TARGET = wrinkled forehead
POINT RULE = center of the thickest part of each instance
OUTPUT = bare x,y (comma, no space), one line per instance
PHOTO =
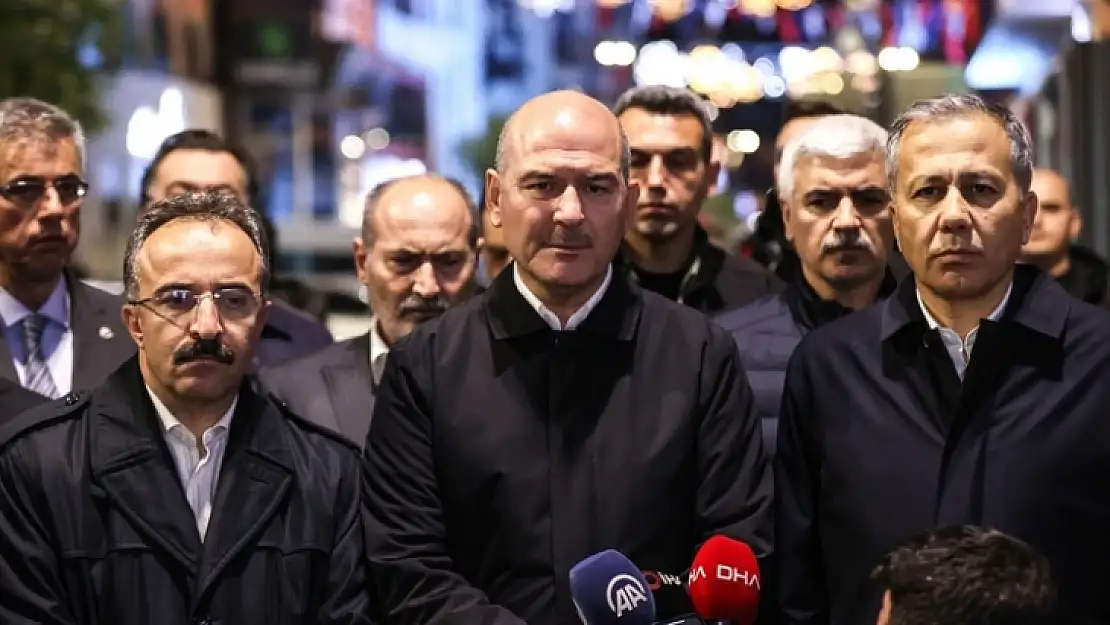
971,143
858,171
37,151
169,255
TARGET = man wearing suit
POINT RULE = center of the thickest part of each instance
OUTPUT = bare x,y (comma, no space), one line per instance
194,160
59,334
15,400
417,257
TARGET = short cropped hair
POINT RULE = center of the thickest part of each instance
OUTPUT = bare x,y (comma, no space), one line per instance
960,105
803,109
205,141
967,575
375,197
205,206
671,101
835,136
28,118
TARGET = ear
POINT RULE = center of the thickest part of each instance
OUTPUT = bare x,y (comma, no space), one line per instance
1075,224
631,201
493,197
360,254
1028,215
893,208
787,210
130,316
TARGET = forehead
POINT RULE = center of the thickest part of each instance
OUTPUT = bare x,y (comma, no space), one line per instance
424,215
170,254
1050,186
575,143
792,129
39,156
201,168
950,145
824,172
647,129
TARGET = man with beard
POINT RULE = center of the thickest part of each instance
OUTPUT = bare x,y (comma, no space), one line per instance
666,249
975,394
1079,270
109,506
57,334
835,209
417,257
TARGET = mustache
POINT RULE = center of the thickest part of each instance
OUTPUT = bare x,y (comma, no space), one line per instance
204,348
562,237
416,305
847,240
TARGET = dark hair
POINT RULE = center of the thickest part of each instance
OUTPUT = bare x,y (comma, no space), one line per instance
205,206
205,141
801,109
664,100
967,575
376,194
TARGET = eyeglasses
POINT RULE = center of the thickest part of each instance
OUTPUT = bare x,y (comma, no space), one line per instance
233,303
26,191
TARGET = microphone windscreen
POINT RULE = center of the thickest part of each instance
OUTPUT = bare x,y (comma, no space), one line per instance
608,589
724,581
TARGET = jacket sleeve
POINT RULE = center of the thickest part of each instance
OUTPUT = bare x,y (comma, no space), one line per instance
735,488
348,591
30,574
800,580
413,576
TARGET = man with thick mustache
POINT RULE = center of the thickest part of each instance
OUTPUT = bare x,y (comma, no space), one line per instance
417,257
835,208
975,394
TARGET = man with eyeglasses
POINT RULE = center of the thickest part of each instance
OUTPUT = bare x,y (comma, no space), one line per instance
174,492
57,334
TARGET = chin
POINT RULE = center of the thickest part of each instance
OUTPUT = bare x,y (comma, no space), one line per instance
655,230
204,389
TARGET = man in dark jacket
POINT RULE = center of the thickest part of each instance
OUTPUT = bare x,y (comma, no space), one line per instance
837,217
1079,270
15,400
562,412
666,250
976,394
109,505
194,160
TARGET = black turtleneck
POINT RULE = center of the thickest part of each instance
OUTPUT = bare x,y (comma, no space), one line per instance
810,311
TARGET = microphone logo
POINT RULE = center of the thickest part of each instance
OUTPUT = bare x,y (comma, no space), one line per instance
726,573
624,593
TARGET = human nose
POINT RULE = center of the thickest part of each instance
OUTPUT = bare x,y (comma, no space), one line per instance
206,321
846,217
569,210
424,281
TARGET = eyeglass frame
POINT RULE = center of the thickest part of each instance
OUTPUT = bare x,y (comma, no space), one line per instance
151,303
46,184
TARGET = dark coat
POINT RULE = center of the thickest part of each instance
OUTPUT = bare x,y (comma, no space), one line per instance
503,453
100,341
289,334
95,528
14,400
879,439
1087,278
333,387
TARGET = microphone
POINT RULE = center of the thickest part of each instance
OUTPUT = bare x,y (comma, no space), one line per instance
607,589
724,581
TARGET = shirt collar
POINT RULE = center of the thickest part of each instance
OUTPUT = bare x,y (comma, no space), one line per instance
170,422
994,316
378,351
56,308
550,317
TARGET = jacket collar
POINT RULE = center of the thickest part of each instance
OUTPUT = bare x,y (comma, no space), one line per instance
810,311
510,316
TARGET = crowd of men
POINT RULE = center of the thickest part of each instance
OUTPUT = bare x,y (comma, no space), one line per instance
201,452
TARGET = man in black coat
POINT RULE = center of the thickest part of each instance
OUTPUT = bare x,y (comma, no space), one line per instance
837,218
976,394
57,334
174,493
417,257
15,400
563,412
666,250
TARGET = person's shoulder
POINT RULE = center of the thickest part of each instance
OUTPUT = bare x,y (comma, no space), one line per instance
458,319
663,319
318,437
93,292
857,330
769,308
51,420
293,321
291,369
1087,323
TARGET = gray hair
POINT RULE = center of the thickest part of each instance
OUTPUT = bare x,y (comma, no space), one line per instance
204,206
840,137
28,118
958,105
625,158
375,197
670,101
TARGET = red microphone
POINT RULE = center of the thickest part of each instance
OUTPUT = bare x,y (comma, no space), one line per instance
724,581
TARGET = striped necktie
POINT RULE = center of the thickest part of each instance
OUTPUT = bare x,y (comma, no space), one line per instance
38,374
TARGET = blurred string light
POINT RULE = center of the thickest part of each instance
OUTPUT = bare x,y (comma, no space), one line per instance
671,10
743,141
615,53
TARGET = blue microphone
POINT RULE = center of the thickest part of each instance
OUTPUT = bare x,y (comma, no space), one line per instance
608,589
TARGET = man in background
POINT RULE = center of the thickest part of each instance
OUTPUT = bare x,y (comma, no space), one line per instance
493,255
1079,270
666,249
196,160
416,257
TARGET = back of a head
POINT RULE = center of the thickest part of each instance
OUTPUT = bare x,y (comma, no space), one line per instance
839,137
966,575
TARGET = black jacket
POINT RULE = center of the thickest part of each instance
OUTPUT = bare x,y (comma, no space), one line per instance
879,439
503,453
1087,277
14,400
95,528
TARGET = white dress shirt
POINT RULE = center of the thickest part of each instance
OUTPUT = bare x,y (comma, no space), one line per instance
378,351
197,466
551,318
57,335
959,350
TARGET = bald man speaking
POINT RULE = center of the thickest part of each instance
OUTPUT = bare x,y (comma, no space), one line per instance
562,412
